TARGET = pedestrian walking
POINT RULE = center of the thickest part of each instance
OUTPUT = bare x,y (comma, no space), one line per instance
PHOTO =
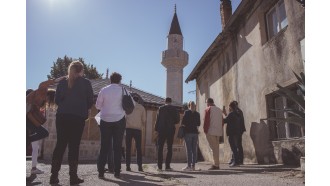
74,98
167,117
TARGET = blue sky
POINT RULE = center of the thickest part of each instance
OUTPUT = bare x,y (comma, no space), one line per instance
126,36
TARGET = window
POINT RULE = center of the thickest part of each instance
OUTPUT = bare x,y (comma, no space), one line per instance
282,130
276,19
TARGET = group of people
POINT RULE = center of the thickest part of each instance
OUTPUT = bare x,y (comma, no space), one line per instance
235,128
74,97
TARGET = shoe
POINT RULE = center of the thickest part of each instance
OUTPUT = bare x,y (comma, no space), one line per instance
54,179
101,175
128,169
36,171
233,164
168,169
74,180
195,169
214,168
231,161
187,169
159,170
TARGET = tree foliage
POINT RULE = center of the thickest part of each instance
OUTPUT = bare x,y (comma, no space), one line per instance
60,68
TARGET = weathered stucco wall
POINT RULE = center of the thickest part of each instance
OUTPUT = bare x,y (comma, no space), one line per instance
246,69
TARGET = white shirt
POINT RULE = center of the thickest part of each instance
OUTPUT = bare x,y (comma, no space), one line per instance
109,102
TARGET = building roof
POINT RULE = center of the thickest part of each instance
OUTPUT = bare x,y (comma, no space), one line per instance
175,26
148,98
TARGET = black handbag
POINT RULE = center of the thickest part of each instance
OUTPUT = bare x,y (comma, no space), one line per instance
127,102
181,132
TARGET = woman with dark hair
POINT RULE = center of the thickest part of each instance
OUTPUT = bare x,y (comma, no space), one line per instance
191,121
74,97
233,131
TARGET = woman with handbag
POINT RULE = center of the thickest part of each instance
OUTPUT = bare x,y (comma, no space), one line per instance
190,122
74,98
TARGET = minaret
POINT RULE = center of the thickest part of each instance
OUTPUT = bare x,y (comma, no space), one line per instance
174,59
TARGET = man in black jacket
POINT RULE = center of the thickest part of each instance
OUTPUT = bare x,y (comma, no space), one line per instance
167,117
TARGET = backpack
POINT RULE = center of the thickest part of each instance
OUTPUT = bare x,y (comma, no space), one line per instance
127,102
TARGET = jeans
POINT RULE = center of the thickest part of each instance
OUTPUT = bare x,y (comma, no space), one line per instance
136,134
36,133
233,142
162,137
191,148
114,131
69,129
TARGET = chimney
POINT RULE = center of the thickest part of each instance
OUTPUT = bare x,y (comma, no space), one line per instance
225,12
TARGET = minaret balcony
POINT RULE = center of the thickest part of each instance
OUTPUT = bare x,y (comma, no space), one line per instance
167,54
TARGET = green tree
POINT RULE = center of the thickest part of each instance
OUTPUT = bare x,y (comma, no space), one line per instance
60,68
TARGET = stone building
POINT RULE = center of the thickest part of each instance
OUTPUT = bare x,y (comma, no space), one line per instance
260,44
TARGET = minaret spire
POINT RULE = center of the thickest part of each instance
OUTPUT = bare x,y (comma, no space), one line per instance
175,26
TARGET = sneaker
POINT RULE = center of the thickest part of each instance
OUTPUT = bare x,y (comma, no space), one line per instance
36,171
233,164
169,169
159,170
214,168
187,169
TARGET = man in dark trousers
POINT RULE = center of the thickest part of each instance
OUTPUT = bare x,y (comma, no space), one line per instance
167,117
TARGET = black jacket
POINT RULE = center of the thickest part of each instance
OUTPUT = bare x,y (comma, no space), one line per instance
167,117
233,123
75,101
191,120
242,124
